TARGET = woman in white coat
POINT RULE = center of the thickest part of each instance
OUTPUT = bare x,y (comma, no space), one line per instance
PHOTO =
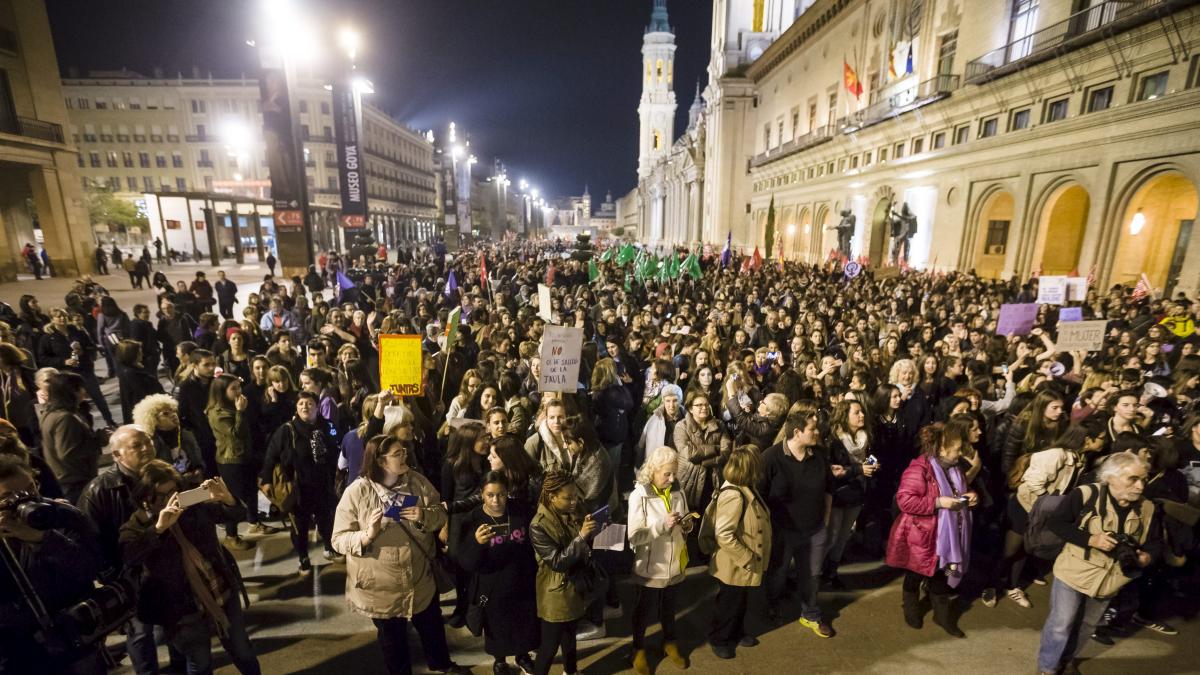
659,523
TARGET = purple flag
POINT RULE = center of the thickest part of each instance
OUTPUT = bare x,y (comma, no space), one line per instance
451,284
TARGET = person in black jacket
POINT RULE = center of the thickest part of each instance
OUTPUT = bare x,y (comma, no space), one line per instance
193,399
614,407
145,333
60,564
462,476
134,382
306,447
226,295
69,347
190,585
174,326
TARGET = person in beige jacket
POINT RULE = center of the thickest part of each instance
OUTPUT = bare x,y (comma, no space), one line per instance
389,543
743,532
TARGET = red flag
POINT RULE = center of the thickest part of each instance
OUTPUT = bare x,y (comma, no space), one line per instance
1142,289
851,79
483,270
550,275
757,261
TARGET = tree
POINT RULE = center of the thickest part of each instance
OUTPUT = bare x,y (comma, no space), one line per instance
106,208
769,234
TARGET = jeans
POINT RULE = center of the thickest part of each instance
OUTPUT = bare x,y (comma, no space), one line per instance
841,524
729,615
651,603
92,386
192,636
1072,619
554,636
143,653
808,550
393,640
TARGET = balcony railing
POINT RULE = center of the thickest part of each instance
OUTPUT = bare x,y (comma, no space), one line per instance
1081,28
799,144
31,128
196,138
906,99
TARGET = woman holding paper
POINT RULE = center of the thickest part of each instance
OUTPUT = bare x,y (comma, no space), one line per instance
659,523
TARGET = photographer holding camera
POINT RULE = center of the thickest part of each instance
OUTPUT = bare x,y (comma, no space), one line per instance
47,564
1110,536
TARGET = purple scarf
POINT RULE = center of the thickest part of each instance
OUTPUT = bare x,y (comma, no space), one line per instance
953,527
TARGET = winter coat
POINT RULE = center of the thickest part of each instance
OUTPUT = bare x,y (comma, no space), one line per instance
1091,571
613,406
391,576
70,446
591,468
912,544
1051,472
702,451
134,385
654,434
231,429
656,550
560,551
743,531
753,429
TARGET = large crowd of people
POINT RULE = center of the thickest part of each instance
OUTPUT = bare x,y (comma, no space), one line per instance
767,421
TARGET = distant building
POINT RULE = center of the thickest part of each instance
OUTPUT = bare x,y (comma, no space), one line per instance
41,200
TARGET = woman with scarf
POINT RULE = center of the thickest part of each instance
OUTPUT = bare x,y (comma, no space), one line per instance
306,447
703,445
190,586
661,424
931,540
850,448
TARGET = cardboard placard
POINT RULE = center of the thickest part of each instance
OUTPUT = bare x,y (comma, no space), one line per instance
1070,314
1016,319
887,273
1052,291
561,346
1077,288
1077,336
400,363
544,302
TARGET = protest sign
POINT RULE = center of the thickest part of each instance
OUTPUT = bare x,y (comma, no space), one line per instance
560,358
1077,288
1052,290
544,302
1070,314
1016,319
1080,336
400,361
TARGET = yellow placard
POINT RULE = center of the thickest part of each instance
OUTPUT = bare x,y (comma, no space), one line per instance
400,362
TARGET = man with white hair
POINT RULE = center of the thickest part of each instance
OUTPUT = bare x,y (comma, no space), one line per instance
1110,536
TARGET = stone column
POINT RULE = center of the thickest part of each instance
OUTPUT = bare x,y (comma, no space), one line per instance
64,234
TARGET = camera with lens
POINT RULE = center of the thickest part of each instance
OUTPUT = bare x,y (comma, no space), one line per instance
1126,554
40,513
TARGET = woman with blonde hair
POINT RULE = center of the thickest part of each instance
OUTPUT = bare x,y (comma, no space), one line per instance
659,523
742,529
158,415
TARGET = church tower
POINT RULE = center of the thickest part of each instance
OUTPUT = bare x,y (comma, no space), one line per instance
656,111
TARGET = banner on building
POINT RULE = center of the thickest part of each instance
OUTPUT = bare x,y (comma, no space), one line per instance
283,159
561,346
400,363
347,125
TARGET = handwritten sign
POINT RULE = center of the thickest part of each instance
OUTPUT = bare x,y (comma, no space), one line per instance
544,302
1080,336
1016,319
1052,290
1077,288
560,358
1070,314
400,361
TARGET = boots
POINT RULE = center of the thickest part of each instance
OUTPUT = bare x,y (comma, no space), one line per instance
943,615
640,666
671,649
912,609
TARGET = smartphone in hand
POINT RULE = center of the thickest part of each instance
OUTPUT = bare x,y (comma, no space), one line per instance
193,497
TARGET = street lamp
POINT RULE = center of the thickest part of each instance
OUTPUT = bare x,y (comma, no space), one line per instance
349,40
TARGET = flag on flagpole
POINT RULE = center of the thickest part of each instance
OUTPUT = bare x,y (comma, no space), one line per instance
674,268
728,252
483,276
593,271
1142,289
451,284
908,64
851,79
757,260
607,255
691,266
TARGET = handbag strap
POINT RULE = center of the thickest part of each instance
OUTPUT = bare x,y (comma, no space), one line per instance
424,551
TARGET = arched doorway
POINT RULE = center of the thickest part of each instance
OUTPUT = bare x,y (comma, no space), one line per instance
785,232
1155,230
820,235
880,226
803,239
1060,230
993,225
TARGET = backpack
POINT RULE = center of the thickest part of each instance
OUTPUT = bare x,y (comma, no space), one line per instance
707,538
1043,543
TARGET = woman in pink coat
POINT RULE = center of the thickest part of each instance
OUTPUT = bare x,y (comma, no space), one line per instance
931,540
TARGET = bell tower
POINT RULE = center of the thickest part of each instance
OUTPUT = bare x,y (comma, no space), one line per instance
656,111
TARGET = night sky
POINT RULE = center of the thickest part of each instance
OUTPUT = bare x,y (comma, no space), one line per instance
550,87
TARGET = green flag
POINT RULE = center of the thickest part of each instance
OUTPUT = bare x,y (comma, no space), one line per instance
673,271
607,255
664,270
627,286
626,254
691,266
593,271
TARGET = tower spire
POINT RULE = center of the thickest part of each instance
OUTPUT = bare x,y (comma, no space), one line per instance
658,18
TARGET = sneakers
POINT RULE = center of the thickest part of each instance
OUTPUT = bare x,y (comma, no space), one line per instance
748,641
822,629
988,597
305,567
1161,628
333,556
236,543
587,631
1018,596
1039,581
525,663
259,528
